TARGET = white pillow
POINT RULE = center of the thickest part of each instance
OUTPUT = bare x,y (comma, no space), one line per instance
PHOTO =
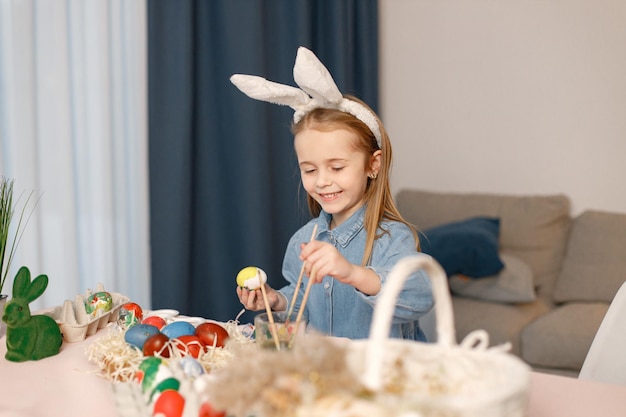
513,284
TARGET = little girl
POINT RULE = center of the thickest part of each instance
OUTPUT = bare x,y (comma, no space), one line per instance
344,154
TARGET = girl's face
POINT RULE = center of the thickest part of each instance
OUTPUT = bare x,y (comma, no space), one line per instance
333,171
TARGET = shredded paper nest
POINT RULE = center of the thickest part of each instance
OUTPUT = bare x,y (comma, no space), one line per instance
118,361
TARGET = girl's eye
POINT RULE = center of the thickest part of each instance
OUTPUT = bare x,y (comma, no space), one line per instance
308,171
337,169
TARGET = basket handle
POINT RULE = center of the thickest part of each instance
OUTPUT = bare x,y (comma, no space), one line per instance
381,321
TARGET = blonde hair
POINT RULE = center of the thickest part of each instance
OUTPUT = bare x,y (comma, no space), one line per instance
380,204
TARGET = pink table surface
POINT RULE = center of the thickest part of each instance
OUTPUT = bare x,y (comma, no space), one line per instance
64,385
556,396
67,385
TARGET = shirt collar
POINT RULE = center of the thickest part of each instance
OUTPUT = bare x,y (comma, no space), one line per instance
347,230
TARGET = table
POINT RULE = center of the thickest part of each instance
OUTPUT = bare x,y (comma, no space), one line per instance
556,396
66,385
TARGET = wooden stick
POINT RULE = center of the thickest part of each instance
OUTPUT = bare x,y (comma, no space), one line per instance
295,294
301,311
270,316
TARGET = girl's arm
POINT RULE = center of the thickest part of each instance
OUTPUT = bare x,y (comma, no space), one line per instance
416,297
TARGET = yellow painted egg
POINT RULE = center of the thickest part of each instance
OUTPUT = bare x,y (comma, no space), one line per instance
251,278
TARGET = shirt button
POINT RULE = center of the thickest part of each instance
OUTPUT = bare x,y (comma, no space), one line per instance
326,285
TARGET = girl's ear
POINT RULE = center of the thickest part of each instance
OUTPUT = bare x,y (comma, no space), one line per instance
375,161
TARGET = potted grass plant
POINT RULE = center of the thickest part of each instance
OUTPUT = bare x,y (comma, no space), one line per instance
9,236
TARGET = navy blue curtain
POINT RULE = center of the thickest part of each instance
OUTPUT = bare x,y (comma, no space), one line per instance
224,185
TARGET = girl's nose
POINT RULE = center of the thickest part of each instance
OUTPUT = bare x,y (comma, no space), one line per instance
323,179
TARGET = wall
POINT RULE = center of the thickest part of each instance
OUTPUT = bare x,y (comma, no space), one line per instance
522,97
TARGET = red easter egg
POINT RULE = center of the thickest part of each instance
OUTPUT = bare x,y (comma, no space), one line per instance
155,344
169,403
155,321
189,344
207,410
211,333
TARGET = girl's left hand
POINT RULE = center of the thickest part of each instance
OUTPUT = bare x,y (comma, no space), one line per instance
321,259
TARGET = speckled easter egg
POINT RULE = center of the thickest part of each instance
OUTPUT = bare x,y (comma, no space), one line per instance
99,301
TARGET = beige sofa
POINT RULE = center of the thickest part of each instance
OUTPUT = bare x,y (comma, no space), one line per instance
575,266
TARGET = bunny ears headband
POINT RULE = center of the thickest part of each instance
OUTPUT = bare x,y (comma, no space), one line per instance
317,89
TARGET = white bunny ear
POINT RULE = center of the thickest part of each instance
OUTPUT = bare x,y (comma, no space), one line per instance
313,77
315,80
259,88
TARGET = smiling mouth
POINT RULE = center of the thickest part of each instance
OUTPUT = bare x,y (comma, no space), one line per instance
329,196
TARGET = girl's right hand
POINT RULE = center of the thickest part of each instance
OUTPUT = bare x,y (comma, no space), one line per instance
253,300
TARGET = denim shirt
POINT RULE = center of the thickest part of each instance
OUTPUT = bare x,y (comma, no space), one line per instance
339,309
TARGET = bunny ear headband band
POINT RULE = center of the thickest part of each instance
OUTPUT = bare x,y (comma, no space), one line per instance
317,89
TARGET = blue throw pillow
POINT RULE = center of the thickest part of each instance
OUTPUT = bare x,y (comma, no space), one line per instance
468,247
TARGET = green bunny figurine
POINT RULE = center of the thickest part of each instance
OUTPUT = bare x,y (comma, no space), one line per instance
29,337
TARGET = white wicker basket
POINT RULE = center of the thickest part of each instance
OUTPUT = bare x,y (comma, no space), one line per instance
442,378
378,376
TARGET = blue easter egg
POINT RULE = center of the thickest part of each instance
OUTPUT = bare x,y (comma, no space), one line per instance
190,366
177,329
139,333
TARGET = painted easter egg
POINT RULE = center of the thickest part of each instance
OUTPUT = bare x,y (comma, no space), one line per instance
167,384
191,367
157,376
157,344
169,404
212,334
177,329
99,301
207,410
251,278
138,334
189,344
156,321
129,315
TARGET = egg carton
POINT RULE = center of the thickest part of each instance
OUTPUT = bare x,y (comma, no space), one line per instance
74,321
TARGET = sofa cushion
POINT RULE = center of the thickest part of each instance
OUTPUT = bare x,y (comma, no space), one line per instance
513,284
533,228
595,262
503,322
561,338
468,247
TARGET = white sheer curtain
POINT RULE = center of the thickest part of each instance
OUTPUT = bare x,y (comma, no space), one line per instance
73,128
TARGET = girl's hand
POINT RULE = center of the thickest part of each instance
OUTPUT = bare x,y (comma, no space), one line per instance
253,300
322,258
